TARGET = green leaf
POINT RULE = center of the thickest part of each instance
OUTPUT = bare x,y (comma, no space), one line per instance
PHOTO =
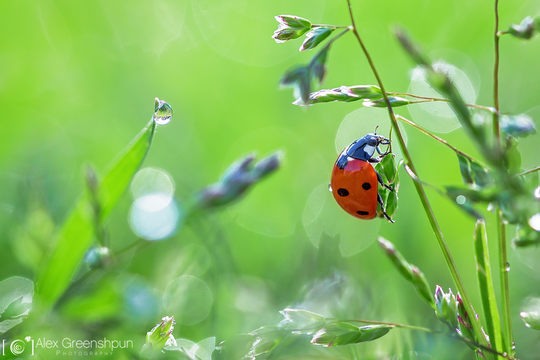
395,101
480,175
344,94
517,125
290,27
525,29
315,37
465,169
410,272
387,168
391,202
344,333
294,22
16,298
317,65
299,79
485,282
76,234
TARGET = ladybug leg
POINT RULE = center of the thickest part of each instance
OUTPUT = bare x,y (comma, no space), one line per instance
383,210
379,178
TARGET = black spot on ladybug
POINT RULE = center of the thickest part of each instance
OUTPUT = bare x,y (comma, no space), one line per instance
362,212
342,192
366,186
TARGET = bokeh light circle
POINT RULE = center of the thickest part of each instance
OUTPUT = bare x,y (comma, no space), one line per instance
189,299
438,116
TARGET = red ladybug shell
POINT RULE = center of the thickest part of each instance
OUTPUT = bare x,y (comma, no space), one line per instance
355,188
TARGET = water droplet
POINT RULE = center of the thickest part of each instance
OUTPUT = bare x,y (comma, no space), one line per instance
537,192
534,222
461,200
330,187
162,112
507,267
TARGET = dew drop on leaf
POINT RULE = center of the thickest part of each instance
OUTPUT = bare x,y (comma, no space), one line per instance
537,192
461,200
507,267
162,112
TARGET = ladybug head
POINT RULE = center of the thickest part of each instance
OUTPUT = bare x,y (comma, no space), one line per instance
365,147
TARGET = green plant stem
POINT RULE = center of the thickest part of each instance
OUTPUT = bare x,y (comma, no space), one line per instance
436,99
504,268
418,185
433,136
530,171
501,227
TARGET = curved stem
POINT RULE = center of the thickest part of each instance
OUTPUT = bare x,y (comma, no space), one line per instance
418,185
433,136
436,99
530,171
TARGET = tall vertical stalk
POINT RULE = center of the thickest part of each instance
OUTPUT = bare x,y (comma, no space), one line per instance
501,227
418,185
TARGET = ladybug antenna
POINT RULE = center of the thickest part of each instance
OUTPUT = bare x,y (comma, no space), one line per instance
376,127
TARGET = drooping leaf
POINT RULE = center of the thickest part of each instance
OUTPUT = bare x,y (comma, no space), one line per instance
410,272
299,79
344,333
465,169
315,36
75,236
317,65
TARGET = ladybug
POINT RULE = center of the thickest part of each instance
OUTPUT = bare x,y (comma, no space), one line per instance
354,181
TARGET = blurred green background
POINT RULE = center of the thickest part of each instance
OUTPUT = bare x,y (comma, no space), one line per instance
78,81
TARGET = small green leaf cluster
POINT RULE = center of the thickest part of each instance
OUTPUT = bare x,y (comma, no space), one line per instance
499,181
387,168
409,271
301,77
